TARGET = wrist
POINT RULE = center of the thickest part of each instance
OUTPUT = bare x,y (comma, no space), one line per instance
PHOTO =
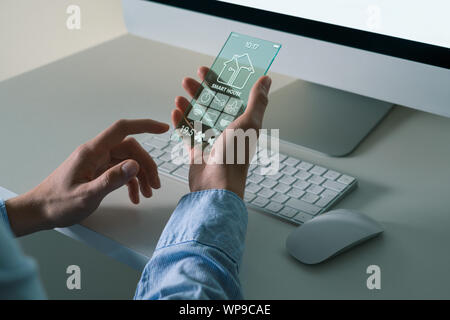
236,190
26,214
234,182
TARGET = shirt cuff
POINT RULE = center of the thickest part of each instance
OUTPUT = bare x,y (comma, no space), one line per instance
3,214
216,218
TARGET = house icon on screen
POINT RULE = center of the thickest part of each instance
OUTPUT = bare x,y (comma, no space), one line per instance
236,71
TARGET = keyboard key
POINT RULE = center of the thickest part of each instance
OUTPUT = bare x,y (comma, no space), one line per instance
324,201
147,147
260,202
290,161
266,193
303,217
257,170
304,166
158,161
182,173
279,197
155,153
332,175
157,143
167,167
288,212
177,144
161,137
303,206
256,178
166,135
316,179
333,185
166,157
315,189
287,180
179,159
269,183
273,206
345,179
252,187
275,176
310,198
267,165
248,196
167,148
289,170
318,170
281,187
300,184
329,193
303,175
295,193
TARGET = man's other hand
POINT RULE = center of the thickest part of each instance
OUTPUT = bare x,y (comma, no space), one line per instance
95,169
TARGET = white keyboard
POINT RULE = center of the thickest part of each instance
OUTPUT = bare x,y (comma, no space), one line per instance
298,192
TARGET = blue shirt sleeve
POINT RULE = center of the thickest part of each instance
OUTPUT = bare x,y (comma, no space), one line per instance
3,214
18,274
200,250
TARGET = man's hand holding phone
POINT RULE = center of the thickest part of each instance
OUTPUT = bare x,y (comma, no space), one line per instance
225,176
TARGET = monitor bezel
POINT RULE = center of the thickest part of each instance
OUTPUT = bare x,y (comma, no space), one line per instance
364,40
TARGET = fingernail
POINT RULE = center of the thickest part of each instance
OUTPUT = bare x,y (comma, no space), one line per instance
129,169
267,81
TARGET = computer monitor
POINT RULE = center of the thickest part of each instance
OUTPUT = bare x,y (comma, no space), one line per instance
353,58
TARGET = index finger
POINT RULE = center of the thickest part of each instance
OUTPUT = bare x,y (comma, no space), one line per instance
125,127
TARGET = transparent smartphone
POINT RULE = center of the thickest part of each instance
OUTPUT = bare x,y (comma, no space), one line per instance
223,95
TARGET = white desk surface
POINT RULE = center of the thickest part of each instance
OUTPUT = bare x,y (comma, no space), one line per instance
402,167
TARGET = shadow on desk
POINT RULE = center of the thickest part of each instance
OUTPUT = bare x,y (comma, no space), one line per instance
366,193
395,120
139,228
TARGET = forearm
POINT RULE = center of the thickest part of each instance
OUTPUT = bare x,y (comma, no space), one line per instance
200,250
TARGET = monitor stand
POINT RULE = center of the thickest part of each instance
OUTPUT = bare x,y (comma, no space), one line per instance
327,120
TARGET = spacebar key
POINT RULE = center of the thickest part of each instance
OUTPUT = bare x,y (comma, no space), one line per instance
303,206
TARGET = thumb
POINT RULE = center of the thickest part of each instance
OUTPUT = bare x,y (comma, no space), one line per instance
258,100
115,177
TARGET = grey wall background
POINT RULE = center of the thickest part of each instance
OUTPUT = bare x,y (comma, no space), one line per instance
33,33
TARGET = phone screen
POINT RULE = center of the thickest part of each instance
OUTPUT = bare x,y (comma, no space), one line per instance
223,95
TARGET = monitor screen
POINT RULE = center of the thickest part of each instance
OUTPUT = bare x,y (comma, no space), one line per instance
411,30
421,21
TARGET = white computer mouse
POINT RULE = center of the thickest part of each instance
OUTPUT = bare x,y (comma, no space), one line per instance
330,234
